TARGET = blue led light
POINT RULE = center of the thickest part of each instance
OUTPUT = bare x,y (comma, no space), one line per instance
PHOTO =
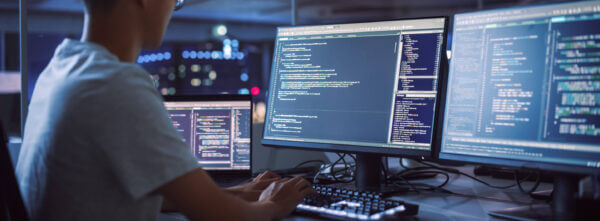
244,77
153,57
146,58
140,59
227,52
160,56
244,91
167,55
235,43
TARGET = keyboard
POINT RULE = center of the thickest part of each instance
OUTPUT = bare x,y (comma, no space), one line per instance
344,204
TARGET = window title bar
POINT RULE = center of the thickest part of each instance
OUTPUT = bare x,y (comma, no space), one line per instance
411,24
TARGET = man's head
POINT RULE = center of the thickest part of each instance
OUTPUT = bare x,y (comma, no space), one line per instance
151,15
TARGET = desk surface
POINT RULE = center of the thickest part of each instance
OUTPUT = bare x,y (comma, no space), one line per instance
442,206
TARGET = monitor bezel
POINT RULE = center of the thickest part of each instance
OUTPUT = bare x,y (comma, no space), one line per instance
400,152
220,97
512,163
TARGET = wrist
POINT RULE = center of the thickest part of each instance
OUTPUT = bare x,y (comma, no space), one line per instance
268,208
236,190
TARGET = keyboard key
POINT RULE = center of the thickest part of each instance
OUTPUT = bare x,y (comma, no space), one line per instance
346,204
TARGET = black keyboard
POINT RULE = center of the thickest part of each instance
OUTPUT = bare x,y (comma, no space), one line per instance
344,204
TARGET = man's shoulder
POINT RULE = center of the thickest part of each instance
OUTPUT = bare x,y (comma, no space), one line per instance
108,83
114,71
96,73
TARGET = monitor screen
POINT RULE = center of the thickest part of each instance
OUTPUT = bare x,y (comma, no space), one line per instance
217,132
363,87
524,87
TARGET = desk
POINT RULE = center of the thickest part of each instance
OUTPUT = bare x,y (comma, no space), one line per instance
441,206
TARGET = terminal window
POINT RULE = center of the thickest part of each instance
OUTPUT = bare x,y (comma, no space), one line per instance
525,84
218,133
367,84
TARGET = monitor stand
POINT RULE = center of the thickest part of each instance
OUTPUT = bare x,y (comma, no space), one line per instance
562,208
369,168
368,172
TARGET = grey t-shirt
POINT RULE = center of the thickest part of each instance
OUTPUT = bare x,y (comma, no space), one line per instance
98,141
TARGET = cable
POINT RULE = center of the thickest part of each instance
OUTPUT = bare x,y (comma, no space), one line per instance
309,161
440,189
482,197
409,183
452,170
353,157
404,177
334,173
516,177
535,186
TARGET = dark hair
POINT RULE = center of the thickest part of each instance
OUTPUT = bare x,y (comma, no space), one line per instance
99,5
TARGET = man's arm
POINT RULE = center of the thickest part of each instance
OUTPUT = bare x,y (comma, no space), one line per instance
249,191
199,198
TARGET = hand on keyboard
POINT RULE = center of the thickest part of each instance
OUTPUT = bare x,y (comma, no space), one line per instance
251,191
285,194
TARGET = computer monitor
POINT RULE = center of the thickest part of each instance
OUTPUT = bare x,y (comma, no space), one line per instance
524,89
366,88
217,129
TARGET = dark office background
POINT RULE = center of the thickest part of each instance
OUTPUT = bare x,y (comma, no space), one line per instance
211,46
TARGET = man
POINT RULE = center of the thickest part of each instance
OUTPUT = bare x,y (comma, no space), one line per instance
98,144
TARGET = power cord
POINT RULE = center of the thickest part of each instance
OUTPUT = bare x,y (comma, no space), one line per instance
455,171
413,185
429,167
346,175
334,173
439,188
348,171
535,185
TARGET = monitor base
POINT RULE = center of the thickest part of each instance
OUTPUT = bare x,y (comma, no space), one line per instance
525,213
564,206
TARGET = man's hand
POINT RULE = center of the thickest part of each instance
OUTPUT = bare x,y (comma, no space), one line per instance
285,194
199,198
251,191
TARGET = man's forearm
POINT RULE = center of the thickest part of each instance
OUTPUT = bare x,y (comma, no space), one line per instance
206,201
240,192
234,190
263,210
246,210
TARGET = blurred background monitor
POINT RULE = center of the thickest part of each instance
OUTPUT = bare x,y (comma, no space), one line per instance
215,67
